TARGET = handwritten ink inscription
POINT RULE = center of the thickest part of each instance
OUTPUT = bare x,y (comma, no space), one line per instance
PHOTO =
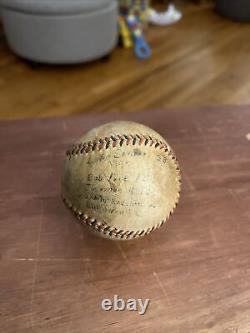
122,181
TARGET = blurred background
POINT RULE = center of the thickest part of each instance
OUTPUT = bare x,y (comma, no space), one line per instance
200,59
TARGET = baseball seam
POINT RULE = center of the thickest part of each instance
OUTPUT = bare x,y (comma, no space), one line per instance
115,141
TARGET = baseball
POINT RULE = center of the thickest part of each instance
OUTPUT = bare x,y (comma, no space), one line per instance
121,180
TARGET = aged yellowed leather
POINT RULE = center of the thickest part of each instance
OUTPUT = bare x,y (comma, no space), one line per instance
122,180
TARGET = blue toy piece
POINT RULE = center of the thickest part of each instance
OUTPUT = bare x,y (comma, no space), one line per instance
141,49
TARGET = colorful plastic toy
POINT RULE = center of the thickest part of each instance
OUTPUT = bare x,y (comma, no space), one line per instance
133,15
125,33
141,49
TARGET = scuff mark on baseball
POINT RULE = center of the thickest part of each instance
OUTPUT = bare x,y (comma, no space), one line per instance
122,180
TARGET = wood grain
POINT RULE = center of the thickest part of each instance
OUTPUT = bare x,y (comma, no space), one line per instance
202,60
195,270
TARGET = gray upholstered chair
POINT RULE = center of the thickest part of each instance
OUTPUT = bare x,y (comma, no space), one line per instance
60,31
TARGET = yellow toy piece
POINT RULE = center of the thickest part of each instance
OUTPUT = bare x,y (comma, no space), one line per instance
125,33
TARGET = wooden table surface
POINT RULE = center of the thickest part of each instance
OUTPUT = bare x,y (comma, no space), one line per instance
195,270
